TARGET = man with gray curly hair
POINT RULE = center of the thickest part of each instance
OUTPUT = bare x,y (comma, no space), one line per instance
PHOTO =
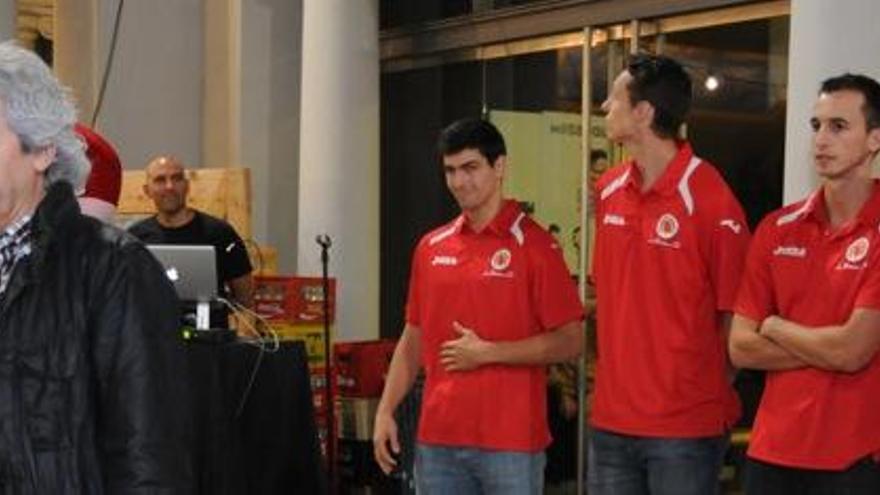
88,350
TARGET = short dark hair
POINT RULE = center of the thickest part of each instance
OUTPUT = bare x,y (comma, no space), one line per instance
868,87
662,82
470,133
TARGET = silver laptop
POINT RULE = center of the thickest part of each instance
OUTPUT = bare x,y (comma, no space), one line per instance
192,269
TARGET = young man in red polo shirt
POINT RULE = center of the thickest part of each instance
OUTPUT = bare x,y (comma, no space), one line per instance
808,312
491,303
671,241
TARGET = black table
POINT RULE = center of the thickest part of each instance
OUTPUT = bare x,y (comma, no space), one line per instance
254,432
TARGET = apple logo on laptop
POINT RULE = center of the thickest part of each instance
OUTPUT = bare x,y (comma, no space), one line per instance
172,274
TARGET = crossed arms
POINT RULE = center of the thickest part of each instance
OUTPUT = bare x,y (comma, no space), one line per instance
780,344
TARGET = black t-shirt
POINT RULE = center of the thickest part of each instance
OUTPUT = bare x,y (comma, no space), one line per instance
231,254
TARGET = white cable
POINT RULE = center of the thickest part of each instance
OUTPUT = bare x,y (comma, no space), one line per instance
259,337
260,344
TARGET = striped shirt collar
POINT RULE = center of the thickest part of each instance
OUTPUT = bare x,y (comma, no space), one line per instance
15,244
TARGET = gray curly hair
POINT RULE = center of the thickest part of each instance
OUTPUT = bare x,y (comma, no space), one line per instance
41,113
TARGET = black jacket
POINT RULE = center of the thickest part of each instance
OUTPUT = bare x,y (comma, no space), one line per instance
91,389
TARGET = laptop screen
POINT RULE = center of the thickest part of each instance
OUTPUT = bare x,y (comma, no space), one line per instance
192,269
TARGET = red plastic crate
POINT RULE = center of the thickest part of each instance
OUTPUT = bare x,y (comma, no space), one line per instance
361,367
293,299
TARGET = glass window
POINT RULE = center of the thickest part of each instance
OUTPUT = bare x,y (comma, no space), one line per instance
738,117
737,122
398,13
535,101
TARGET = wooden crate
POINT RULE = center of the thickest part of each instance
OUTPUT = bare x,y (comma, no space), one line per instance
264,259
222,192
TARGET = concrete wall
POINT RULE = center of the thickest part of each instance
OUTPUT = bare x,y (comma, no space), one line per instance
827,39
153,102
271,47
7,19
339,155
76,59
221,103
216,83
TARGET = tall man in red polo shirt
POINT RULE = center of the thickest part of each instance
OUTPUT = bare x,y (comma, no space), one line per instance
670,245
491,303
808,312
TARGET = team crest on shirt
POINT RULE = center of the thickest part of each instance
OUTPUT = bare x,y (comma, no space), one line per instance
667,227
500,260
666,230
499,263
857,251
855,255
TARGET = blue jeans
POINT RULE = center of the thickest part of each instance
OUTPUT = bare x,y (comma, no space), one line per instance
464,471
627,465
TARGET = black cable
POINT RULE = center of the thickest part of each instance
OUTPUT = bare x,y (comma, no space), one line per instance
110,56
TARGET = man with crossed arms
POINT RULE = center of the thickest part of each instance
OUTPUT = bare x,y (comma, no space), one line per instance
808,312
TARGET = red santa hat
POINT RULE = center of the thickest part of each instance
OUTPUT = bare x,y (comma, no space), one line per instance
104,183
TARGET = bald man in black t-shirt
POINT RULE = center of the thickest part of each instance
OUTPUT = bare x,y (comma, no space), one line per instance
176,223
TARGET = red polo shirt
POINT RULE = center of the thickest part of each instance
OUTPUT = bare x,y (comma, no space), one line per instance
666,262
802,271
507,282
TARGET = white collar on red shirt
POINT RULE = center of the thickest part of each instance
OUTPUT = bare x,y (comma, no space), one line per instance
676,177
812,208
508,221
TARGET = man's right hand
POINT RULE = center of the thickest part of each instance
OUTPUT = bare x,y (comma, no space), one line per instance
385,436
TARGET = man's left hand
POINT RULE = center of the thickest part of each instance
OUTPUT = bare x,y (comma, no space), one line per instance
465,353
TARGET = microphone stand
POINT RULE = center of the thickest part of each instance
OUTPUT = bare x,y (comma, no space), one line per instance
324,241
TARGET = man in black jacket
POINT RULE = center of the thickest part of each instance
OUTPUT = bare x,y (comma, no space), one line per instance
89,360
